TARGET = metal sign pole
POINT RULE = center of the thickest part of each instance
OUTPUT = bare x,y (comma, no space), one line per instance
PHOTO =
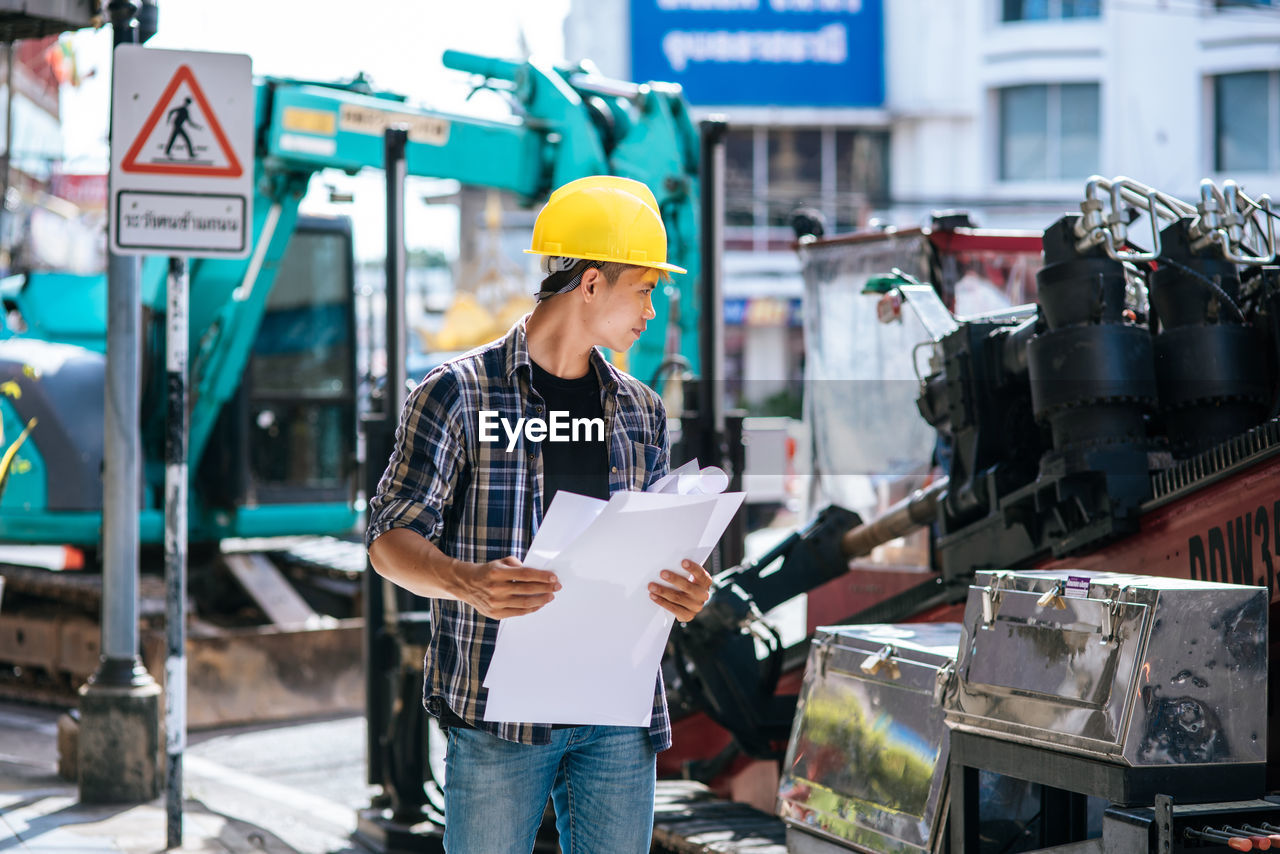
120,705
120,501
175,543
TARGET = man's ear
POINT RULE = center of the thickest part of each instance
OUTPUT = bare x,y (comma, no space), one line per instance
592,279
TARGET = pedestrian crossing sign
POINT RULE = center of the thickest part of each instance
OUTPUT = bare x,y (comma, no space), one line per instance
182,135
181,153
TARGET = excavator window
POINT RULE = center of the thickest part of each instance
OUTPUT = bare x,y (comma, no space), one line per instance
301,395
289,434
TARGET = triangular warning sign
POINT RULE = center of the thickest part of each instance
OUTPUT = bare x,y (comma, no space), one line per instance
182,145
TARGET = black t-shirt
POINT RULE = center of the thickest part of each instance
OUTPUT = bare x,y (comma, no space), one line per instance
580,466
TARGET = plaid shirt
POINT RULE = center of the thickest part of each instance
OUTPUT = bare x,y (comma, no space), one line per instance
478,502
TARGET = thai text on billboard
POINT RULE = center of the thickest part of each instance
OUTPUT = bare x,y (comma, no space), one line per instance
789,53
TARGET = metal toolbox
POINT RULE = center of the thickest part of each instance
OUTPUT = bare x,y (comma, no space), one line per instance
866,766
1139,671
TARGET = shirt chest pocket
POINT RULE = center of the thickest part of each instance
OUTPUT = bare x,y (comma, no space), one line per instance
644,462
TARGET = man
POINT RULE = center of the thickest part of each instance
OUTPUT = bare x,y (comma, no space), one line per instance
454,513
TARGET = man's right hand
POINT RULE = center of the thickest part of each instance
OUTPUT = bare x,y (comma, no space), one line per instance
505,587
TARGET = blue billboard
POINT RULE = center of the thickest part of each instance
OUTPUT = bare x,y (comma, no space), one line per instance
789,53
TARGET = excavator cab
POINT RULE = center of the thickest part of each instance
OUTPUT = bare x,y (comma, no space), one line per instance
288,436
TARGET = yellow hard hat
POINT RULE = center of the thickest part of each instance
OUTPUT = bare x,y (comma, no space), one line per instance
603,218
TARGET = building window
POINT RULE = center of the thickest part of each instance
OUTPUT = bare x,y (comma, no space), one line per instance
862,175
1246,122
1049,132
1044,10
795,172
771,171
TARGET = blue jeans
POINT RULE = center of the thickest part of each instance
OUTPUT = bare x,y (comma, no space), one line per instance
600,779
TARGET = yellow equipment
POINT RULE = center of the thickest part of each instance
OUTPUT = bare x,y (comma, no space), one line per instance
490,298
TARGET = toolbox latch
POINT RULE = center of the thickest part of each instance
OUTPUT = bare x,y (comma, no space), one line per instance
1111,613
822,652
881,660
943,682
991,599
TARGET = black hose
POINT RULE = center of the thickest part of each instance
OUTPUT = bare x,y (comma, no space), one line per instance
1222,295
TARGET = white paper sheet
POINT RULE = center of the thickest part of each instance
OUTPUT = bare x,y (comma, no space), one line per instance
688,479
591,655
566,519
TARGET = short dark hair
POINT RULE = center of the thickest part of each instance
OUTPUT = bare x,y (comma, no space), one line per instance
611,270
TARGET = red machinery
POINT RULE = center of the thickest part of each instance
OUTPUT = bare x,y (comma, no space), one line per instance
1125,421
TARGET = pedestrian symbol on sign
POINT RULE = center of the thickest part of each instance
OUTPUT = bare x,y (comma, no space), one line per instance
180,117
158,148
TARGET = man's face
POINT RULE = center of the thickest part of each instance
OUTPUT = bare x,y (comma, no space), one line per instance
621,311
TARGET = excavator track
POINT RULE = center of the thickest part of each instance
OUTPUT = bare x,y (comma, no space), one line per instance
242,665
77,589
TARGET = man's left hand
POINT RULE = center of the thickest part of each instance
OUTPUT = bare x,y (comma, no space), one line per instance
685,592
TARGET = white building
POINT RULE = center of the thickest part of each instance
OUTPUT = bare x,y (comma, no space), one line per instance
1003,107
1000,104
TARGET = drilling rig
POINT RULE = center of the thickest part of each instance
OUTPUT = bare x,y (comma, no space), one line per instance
1105,449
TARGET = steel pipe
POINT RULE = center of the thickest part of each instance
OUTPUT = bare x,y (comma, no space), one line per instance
915,511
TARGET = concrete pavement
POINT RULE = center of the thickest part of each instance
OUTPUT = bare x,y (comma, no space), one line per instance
279,788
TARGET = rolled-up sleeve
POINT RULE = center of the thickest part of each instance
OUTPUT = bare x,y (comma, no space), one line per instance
419,482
